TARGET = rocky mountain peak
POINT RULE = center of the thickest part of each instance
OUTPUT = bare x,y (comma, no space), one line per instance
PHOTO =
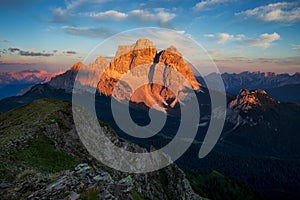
141,53
76,66
172,58
102,60
143,43
144,53
247,100
270,74
173,49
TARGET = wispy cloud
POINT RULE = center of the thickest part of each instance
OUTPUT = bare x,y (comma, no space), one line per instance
208,4
296,47
74,11
263,41
276,12
222,38
13,49
70,52
159,15
28,53
214,52
239,64
63,14
5,41
66,53
99,32
108,15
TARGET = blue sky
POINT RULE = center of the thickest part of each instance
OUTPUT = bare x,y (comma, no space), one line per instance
239,35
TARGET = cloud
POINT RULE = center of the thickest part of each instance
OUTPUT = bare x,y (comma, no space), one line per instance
70,52
63,14
209,35
108,15
296,47
159,15
239,64
78,10
5,41
100,32
66,53
214,52
156,15
13,49
28,53
276,12
43,53
263,41
222,38
208,4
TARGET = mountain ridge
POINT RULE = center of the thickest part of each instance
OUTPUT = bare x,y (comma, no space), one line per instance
18,82
142,53
254,80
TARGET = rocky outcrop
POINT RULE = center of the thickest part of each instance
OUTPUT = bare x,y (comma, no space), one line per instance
252,108
66,80
247,100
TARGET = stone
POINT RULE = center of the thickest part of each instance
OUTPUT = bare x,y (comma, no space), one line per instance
73,195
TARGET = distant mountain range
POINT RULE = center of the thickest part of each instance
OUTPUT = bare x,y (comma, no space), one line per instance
269,81
11,83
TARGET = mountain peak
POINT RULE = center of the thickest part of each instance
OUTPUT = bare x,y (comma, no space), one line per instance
247,100
102,60
76,66
141,53
143,43
173,49
140,45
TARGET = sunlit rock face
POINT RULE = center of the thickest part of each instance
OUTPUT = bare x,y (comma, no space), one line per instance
162,77
247,100
163,70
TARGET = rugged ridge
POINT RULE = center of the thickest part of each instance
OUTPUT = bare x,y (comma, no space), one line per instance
141,53
17,83
247,100
263,124
66,80
254,80
47,129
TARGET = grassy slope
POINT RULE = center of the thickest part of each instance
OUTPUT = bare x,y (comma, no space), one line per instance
37,153
215,185
29,118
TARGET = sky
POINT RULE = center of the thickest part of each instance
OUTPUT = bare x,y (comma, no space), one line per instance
239,35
